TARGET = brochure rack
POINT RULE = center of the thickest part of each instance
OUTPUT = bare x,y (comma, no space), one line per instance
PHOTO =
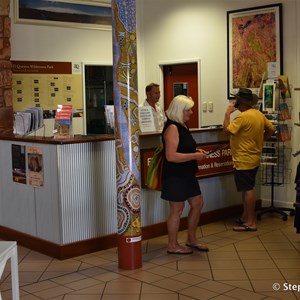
273,170
272,209
28,121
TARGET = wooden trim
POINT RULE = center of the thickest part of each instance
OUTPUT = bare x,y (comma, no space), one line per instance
109,241
56,250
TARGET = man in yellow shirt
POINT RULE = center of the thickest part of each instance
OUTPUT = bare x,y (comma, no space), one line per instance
248,131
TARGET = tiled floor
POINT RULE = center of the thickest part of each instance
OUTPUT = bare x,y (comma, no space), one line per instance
248,265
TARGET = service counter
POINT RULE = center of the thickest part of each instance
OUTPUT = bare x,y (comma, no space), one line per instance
74,210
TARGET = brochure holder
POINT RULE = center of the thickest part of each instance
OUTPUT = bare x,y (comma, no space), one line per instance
63,122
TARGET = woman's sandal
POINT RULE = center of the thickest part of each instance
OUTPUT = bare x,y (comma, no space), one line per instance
180,251
198,247
243,227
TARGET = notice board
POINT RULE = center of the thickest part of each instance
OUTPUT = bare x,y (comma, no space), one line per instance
46,84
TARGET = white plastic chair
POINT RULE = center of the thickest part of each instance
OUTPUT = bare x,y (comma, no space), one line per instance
8,250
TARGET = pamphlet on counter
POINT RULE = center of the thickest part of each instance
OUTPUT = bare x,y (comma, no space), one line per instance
29,120
63,122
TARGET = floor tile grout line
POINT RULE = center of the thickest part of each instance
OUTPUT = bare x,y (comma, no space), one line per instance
240,259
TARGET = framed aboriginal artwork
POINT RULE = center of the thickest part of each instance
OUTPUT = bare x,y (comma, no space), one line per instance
253,42
88,14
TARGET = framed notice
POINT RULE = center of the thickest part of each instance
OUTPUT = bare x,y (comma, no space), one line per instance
46,84
69,13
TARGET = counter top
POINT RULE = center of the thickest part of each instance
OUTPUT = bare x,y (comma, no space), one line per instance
60,141
78,138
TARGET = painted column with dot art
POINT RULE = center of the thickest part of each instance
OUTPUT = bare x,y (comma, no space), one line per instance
127,134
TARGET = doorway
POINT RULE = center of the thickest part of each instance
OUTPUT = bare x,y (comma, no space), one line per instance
98,93
182,78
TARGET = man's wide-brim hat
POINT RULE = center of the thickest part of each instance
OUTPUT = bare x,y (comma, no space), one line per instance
246,97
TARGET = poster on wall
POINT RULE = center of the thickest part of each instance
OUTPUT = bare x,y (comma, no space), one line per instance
46,84
35,166
18,163
253,41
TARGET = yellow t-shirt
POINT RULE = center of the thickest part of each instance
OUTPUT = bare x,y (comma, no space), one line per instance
247,138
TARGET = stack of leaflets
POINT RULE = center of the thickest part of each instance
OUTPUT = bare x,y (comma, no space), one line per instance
63,122
283,133
28,121
284,86
269,156
272,117
22,123
284,112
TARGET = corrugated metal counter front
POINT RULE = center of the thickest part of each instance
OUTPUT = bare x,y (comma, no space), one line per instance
78,175
77,202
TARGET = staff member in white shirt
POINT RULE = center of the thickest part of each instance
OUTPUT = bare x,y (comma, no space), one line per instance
153,95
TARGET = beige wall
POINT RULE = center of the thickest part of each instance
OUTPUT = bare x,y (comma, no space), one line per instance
193,29
174,31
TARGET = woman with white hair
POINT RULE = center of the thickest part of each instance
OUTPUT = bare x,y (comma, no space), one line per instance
179,183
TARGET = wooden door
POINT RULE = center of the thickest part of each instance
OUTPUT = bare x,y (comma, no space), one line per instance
182,73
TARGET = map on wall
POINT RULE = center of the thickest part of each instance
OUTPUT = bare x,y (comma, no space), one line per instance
46,84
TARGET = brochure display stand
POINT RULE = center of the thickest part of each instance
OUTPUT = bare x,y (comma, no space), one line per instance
273,170
272,208
28,121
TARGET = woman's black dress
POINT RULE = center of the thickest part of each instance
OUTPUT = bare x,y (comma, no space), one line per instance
178,179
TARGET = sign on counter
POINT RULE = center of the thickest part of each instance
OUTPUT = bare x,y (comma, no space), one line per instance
146,119
217,163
